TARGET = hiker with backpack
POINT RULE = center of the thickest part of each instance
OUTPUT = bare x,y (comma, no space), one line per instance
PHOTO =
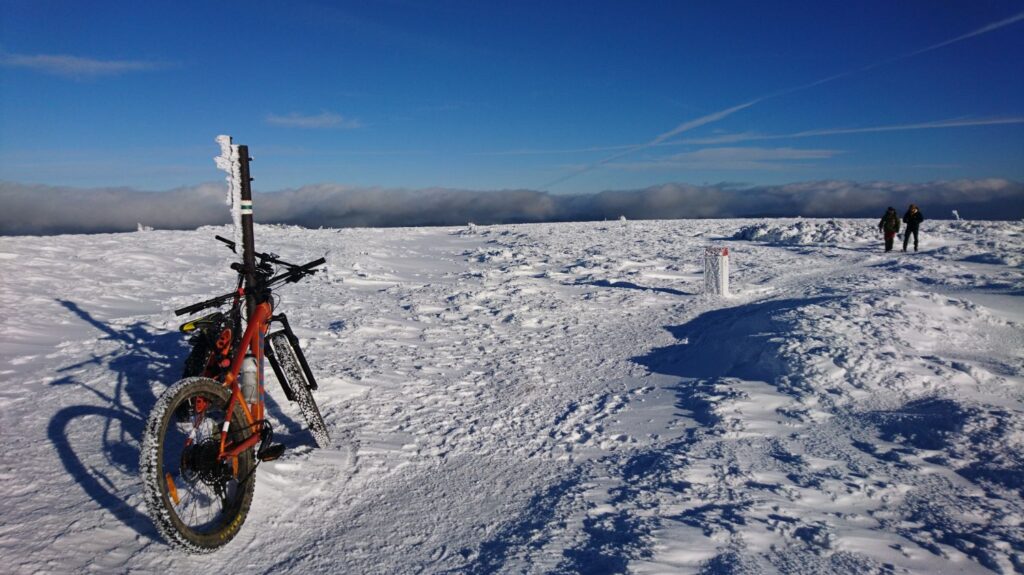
889,226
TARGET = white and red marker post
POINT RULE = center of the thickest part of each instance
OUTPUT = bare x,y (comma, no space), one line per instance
716,271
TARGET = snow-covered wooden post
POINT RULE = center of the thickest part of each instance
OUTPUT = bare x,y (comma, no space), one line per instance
716,271
234,160
248,242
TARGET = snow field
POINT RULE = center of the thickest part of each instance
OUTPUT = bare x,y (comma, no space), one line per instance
546,398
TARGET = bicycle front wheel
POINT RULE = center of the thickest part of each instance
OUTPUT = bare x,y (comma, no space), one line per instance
288,366
307,405
197,500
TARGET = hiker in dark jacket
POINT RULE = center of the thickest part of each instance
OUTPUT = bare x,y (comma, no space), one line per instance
889,225
913,219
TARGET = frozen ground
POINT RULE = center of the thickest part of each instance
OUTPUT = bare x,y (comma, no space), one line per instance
546,399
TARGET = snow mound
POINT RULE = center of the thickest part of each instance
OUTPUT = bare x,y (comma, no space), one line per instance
998,258
993,249
803,232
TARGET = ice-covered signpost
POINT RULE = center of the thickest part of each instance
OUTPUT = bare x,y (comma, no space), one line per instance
234,160
716,271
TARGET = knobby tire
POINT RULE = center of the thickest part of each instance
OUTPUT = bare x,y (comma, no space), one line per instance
299,386
312,414
205,502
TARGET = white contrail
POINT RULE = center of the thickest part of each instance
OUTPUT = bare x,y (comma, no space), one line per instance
753,137
714,117
983,30
734,138
685,126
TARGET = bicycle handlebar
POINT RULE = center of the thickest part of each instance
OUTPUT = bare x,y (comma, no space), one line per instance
291,276
297,272
265,257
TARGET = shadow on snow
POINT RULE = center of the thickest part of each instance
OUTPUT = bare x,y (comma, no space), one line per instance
631,285
734,342
141,359
731,342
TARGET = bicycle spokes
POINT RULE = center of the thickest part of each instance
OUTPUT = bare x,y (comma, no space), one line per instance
197,498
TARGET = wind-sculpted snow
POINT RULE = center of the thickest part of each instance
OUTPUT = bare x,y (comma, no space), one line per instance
548,398
805,232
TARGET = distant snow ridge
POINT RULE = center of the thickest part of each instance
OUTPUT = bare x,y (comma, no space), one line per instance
803,232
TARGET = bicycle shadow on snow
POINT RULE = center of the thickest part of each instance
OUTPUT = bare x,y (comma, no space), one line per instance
109,477
146,362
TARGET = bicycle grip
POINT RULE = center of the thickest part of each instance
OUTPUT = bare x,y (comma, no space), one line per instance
230,243
298,272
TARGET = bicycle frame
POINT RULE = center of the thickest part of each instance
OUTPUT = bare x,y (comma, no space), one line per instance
252,340
225,364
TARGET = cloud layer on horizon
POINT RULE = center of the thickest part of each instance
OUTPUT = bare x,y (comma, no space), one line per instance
43,210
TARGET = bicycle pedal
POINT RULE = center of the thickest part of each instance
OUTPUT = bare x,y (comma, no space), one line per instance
271,452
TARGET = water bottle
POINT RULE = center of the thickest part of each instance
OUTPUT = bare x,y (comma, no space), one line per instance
249,378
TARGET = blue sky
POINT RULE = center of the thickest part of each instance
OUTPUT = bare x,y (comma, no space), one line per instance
565,97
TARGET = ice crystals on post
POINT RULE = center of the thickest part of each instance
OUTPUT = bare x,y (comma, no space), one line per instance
228,162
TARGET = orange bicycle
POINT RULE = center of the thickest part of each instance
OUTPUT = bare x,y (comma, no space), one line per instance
208,432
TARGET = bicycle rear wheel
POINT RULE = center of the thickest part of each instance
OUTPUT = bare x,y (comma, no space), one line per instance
197,502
